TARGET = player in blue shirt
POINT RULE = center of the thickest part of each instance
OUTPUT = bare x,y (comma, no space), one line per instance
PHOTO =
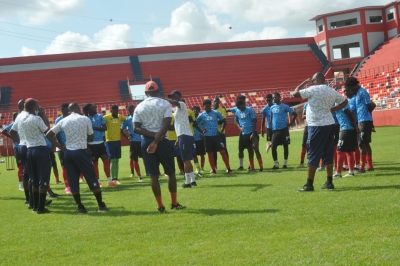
364,107
135,142
280,128
20,164
347,142
199,140
97,147
352,106
209,119
246,119
266,120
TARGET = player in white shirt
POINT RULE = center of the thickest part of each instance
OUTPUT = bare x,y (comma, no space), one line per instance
30,128
185,136
320,121
78,131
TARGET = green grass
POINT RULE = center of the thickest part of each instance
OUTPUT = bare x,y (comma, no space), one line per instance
256,219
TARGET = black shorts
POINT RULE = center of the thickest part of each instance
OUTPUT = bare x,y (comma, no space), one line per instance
97,150
18,157
337,132
213,143
365,131
135,150
163,155
280,137
200,147
245,142
269,134
305,137
347,141
52,158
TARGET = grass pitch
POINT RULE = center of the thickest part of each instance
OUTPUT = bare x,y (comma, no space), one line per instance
239,219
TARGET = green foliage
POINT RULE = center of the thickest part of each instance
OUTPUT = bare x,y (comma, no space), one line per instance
239,219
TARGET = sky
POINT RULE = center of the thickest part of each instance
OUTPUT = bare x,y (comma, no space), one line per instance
37,27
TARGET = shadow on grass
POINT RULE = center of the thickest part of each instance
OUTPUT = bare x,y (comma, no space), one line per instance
255,187
213,212
368,188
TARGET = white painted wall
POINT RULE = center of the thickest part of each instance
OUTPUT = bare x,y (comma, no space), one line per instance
343,17
375,38
392,32
372,13
346,39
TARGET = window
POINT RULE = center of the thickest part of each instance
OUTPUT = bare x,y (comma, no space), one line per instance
375,19
349,50
390,16
344,23
320,28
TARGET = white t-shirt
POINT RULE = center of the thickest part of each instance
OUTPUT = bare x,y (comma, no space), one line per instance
76,128
151,113
321,99
182,126
22,137
31,128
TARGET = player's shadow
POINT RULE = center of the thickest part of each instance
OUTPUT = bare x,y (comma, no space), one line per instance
213,212
369,188
255,187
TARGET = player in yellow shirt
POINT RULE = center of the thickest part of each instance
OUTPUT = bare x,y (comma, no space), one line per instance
222,111
113,140
172,137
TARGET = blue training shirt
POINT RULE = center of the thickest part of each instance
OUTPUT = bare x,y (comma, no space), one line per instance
279,115
210,122
266,112
62,134
353,107
196,133
362,99
128,124
245,119
97,121
8,128
343,119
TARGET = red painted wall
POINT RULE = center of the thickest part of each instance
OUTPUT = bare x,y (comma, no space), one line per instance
387,118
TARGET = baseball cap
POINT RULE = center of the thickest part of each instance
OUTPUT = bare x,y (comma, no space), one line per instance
175,93
151,86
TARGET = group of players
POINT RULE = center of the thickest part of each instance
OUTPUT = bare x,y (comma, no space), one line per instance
191,133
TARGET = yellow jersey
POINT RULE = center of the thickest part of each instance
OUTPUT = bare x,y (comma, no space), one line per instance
222,111
172,133
113,132
191,114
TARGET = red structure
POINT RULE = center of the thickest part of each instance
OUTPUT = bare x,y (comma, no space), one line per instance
347,36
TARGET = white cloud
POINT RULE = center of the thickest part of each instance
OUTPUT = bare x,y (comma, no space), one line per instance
111,37
36,12
310,33
188,25
266,33
25,51
282,11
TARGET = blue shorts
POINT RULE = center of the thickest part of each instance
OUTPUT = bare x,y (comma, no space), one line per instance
114,149
320,144
77,162
23,152
187,147
176,151
163,155
39,166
